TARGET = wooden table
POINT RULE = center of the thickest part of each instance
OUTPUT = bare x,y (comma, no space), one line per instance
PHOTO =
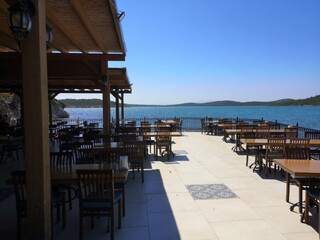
109,146
162,134
68,175
259,142
169,122
300,168
264,141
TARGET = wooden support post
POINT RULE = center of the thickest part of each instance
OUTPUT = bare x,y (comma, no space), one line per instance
117,109
105,94
106,108
122,106
50,110
35,106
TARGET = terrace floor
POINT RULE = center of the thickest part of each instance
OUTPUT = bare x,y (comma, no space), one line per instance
234,203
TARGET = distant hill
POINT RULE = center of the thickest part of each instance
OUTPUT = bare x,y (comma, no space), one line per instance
311,101
97,103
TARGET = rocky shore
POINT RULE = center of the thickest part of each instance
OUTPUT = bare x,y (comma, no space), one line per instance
10,106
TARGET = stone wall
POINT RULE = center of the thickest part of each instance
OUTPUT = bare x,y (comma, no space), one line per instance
10,106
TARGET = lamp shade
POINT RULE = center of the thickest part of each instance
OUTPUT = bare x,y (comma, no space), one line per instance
19,21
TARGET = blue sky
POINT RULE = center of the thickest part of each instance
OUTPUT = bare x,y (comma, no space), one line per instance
206,50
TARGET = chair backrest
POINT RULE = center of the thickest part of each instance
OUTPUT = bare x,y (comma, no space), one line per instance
246,126
61,158
19,182
299,142
262,132
274,125
65,138
312,135
277,135
291,132
163,128
95,186
134,150
276,146
85,153
298,153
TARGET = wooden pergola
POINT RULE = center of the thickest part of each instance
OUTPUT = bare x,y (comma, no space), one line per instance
87,34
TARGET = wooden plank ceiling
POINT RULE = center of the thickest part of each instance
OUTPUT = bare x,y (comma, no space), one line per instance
78,26
66,73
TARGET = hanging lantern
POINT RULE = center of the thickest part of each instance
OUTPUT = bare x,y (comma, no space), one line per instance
19,20
49,36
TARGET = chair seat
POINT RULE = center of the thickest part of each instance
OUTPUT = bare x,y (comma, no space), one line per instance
94,205
149,141
85,161
135,160
58,196
301,180
314,193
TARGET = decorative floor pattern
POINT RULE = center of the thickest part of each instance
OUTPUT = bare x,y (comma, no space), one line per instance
210,191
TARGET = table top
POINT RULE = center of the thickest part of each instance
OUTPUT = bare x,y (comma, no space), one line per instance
300,168
238,131
264,141
211,122
162,134
109,146
150,126
169,121
5,139
67,175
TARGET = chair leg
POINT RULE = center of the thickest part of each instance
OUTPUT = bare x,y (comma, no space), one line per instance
142,174
69,197
64,214
300,198
58,212
247,159
112,223
18,226
123,201
288,187
119,212
306,215
80,227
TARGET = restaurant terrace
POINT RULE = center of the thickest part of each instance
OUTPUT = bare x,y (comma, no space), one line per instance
163,178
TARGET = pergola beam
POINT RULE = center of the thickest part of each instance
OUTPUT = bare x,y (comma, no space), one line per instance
62,27
77,6
8,41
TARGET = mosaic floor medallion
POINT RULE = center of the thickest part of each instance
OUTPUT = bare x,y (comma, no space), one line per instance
210,191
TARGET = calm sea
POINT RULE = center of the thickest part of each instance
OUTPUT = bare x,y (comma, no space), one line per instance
308,116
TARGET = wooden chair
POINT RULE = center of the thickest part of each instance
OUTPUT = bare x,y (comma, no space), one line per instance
135,152
299,142
57,200
97,197
163,145
147,140
315,152
62,159
66,142
203,126
85,153
301,183
291,132
274,150
312,195
277,134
